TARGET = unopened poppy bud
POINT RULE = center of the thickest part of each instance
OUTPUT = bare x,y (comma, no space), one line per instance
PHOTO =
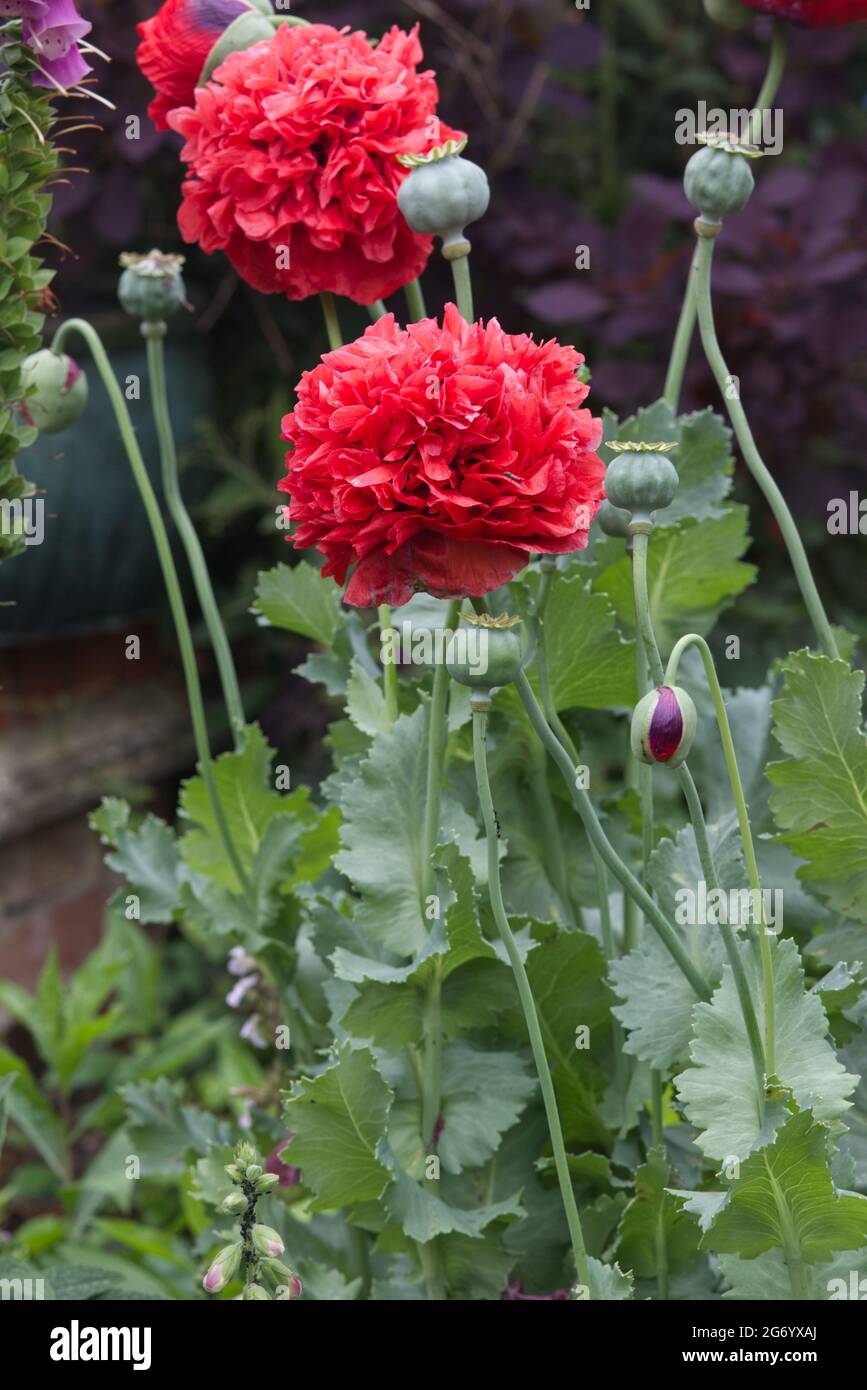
234,1204
267,1241
443,194
731,14
243,32
234,1172
254,1172
223,1269
266,1183
254,1292
151,287
663,726
55,390
614,521
245,1154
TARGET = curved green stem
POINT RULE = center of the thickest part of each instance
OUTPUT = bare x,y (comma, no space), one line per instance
680,348
525,993
389,670
376,310
607,852
693,639
608,944
550,826
772,494
415,300
686,321
463,286
332,323
773,78
187,533
658,1142
644,625
170,577
436,747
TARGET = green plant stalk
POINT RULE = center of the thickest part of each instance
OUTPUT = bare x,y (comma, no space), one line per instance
525,993
170,577
645,791
389,670
332,322
376,310
432,1028
463,287
171,487
686,321
646,634
554,855
772,494
658,1142
773,78
742,984
607,852
608,944
693,639
680,347
415,301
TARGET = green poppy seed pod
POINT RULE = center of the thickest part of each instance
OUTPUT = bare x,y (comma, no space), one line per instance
730,14
490,656
223,1269
55,390
242,33
641,484
614,521
151,287
267,1241
255,1293
663,726
443,194
718,182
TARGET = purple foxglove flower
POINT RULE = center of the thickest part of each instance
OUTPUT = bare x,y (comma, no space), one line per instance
51,30
236,994
251,1033
239,963
514,1292
289,1176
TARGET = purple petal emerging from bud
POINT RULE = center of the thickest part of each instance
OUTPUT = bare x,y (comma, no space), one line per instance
666,726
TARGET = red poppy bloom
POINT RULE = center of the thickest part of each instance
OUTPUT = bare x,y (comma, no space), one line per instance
438,458
815,14
174,46
291,148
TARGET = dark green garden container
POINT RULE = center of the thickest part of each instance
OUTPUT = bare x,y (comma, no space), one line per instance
97,564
